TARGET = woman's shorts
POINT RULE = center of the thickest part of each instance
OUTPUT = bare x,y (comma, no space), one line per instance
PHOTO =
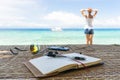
89,31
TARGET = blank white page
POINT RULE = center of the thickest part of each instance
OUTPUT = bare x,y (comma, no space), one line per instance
47,64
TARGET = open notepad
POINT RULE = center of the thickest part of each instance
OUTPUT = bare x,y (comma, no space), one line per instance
48,66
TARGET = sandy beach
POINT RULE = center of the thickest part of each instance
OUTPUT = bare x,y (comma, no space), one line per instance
12,67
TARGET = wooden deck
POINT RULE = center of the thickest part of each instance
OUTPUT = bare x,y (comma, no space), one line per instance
12,67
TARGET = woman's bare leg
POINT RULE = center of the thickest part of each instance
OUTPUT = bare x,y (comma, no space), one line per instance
91,39
87,39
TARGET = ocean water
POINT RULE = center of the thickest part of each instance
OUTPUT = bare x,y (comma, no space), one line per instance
48,37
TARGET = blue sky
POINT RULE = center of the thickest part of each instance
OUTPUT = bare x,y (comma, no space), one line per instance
57,13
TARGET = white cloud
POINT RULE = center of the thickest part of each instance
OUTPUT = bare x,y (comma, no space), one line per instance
64,19
22,24
108,22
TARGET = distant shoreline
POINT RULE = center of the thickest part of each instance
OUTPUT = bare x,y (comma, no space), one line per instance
76,29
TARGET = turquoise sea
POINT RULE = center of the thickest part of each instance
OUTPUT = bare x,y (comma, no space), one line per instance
48,37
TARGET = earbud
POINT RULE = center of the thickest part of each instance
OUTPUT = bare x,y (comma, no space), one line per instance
51,54
79,58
